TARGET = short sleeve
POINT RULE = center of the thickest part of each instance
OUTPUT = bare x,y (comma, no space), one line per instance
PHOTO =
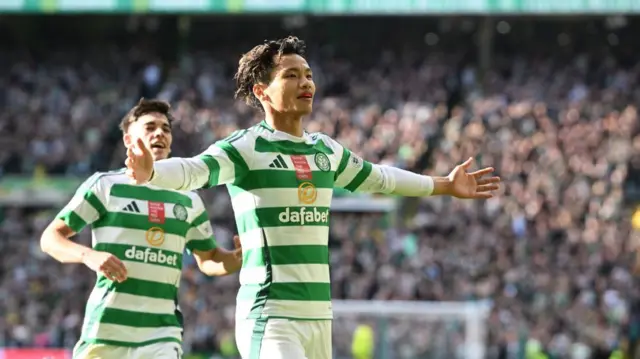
355,174
224,160
86,206
200,234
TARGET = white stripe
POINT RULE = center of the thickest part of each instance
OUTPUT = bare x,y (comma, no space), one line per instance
301,273
285,236
289,273
152,273
311,309
83,209
277,197
136,237
254,275
125,333
130,302
203,231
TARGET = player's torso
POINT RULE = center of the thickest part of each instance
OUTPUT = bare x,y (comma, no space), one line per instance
288,188
283,204
145,227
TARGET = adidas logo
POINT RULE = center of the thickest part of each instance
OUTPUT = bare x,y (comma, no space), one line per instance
278,163
131,207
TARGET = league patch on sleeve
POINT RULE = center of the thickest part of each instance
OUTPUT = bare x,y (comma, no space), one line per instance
356,162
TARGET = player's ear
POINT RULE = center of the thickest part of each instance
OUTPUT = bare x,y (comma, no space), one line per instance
259,91
128,141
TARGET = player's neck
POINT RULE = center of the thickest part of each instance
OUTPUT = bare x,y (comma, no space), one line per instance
290,124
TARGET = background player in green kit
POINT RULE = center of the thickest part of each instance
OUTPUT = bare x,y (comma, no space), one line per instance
281,182
139,234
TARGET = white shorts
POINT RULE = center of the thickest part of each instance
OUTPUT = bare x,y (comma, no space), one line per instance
163,350
283,339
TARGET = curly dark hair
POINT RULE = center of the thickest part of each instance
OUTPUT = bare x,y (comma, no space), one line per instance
145,107
256,65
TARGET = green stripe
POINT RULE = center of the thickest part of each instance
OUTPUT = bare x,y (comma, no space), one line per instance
360,177
214,170
272,178
86,190
120,251
139,287
344,161
271,217
257,334
148,194
202,218
288,291
95,202
72,220
131,344
202,244
240,166
99,314
141,222
291,148
283,255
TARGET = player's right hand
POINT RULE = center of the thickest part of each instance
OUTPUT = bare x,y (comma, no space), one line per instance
237,247
139,162
107,264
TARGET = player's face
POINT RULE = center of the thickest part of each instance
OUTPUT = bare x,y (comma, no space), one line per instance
292,88
155,131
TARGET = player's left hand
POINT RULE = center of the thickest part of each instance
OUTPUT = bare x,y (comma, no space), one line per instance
473,185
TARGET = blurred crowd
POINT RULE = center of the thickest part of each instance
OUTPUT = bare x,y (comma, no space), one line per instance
552,252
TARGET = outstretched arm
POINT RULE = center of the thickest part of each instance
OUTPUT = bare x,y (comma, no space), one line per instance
357,175
184,174
220,164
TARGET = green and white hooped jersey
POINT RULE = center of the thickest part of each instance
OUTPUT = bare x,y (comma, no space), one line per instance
281,188
148,229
